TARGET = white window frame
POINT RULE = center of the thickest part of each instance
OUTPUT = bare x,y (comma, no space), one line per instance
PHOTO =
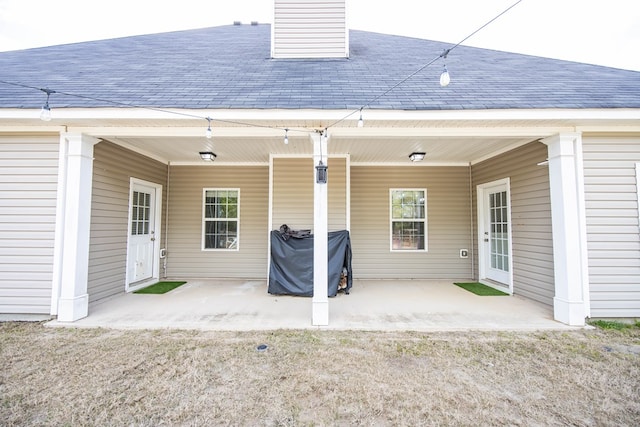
392,220
205,219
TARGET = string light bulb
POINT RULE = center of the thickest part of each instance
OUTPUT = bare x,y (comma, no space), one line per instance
286,137
209,133
45,112
360,121
445,78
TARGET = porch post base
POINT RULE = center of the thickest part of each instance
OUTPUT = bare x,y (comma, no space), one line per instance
72,309
320,314
571,313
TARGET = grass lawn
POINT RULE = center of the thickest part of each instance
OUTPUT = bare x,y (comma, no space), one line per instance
98,377
480,289
159,288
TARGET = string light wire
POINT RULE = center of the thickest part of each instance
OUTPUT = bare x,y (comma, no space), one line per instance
161,110
209,119
442,55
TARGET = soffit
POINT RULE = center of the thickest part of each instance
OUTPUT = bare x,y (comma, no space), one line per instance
446,137
440,150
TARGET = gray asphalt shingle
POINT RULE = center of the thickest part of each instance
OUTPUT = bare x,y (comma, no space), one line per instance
230,67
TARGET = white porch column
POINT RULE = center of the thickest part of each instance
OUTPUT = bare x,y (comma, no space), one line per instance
73,269
566,177
320,302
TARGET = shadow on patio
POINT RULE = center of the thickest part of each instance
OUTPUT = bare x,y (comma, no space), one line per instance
240,305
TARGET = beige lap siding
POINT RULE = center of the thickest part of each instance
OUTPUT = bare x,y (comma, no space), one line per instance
28,188
533,275
448,223
611,200
337,197
293,198
293,180
113,166
186,259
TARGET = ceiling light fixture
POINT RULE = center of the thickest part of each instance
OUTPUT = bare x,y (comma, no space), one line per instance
286,136
208,156
360,121
417,156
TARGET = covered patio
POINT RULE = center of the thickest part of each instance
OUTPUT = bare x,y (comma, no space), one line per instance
372,305
151,193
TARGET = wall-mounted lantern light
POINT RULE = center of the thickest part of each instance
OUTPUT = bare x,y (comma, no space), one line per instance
321,173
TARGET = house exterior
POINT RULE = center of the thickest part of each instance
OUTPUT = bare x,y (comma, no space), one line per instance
529,181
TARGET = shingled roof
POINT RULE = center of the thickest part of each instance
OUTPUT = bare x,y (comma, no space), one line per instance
229,67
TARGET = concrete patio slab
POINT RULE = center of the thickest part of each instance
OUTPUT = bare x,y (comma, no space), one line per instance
385,305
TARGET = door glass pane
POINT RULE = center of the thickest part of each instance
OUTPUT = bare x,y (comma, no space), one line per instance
499,231
140,213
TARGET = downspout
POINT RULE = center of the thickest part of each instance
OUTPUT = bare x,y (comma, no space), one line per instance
166,222
270,216
472,253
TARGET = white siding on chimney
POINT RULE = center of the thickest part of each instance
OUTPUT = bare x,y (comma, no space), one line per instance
309,29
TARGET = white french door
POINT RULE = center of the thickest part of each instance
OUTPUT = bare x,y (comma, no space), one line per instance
494,226
143,241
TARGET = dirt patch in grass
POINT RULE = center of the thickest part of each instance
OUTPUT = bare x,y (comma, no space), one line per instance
53,377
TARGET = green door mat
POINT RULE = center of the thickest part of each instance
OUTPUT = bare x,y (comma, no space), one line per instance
480,289
159,288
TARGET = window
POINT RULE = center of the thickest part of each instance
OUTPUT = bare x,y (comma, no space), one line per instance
221,212
408,210
140,209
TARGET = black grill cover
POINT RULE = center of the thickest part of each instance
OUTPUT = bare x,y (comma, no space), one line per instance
291,271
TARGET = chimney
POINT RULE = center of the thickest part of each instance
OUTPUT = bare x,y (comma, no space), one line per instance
309,29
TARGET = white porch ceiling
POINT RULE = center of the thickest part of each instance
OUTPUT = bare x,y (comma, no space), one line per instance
252,136
255,150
